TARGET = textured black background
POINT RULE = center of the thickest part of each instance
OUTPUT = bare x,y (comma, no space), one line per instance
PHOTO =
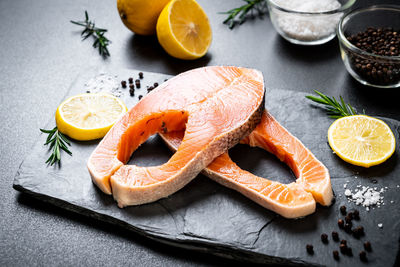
41,52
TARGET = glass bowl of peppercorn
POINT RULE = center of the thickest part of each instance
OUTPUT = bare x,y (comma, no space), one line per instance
369,40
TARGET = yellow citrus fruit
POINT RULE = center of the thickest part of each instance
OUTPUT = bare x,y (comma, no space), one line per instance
361,140
140,16
88,116
183,29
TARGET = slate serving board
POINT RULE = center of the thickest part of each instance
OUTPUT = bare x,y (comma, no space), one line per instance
207,217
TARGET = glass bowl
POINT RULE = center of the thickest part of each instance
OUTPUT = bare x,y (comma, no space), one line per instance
307,28
370,69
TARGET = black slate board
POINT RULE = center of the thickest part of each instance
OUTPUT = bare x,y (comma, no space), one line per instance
207,217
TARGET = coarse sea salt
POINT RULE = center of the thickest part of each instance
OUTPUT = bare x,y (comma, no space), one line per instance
306,27
104,83
366,196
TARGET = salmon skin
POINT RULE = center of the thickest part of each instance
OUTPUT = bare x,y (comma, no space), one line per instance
292,200
216,106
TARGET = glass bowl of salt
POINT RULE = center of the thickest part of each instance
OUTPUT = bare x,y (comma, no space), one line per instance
307,22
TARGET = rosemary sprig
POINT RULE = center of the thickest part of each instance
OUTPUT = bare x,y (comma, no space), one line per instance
100,41
57,142
334,108
260,6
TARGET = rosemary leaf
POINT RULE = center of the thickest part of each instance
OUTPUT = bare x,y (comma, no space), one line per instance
334,109
57,143
100,41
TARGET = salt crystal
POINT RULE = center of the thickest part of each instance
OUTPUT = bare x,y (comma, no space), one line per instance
104,83
307,28
345,185
347,192
380,225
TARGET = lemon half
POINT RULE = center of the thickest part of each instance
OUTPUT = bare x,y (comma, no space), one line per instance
183,29
361,140
88,116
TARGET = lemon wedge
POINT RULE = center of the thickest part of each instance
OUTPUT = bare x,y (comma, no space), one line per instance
183,29
361,140
88,116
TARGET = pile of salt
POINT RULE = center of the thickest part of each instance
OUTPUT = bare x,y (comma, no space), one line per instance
306,27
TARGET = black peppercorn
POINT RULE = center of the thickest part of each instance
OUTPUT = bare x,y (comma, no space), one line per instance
141,75
367,246
310,249
335,254
335,236
324,238
363,256
155,85
349,217
340,223
131,86
149,89
347,227
123,84
358,231
343,242
343,248
137,83
140,97
132,92
349,251
343,210
130,80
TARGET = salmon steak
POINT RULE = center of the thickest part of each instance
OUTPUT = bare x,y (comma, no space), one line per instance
216,107
292,200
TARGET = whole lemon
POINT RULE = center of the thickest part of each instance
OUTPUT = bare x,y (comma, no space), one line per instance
140,16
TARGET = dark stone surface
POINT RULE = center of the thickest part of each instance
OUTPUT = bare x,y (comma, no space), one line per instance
208,217
41,54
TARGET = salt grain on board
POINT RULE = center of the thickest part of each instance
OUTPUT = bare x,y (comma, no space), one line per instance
366,196
104,83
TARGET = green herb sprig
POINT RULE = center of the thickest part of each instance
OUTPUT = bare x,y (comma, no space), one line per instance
100,41
57,142
334,108
260,6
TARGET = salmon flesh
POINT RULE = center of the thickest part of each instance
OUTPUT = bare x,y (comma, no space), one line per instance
216,107
292,200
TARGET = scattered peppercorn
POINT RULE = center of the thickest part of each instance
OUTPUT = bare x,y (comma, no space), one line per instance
343,248
335,254
343,210
165,80
356,215
123,84
349,217
367,246
335,236
349,252
381,42
141,75
358,231
132,92
140,97
131,86
363,256
347,227
310,249
149,89
340,223
155,85
130,80
343,241
137,83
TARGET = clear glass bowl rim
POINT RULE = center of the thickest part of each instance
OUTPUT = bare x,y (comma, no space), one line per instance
343,40
342,8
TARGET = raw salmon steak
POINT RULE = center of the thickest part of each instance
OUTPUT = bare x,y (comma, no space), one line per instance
216,106
292,200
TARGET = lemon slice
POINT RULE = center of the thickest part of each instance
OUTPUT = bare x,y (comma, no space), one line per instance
183,29
88,116
361,140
